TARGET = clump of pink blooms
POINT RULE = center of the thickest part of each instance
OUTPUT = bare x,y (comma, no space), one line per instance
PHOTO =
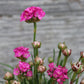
23,69
32,12
22,52
57,73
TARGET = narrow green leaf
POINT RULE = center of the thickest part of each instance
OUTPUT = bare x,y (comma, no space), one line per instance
61,62
69,70
27,81
7,70
77,80
32,57
7,65
54,55
50,81
45,80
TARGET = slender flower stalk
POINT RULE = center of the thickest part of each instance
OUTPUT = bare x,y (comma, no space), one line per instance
73,78
37,52
9,82
65,61
53,81
40,80
34,39
59,56
35,27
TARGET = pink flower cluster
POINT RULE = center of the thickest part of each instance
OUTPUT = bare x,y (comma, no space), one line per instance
32,12
59,73
22,52
23,68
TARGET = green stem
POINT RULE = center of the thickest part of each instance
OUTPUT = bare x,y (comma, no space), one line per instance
40,80
36,51
59,56
9,82
73,78
53,81
34,39
65,60
79,58
77,80
54,55
35,27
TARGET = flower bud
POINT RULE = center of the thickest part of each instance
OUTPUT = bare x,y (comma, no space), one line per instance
31,63
82,54
62,46
36,44
41,69
29,78
82,60
50,59
15,82
38,60
6,82
8,76
11,81
82,81
77,67
66,52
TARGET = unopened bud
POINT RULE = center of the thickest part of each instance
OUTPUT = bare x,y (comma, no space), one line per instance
77,67
11,81
8,76
29,78
82,60
36,44
38,60
50,59
82,54
41,69
15,82
31,63
66,52
82,81
62,46
6,82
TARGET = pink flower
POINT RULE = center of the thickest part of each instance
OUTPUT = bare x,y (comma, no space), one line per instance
22,52
16,71
29,73
32,13
59,73
24,67
52,66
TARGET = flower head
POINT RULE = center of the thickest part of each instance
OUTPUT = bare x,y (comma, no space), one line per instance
32,14
29,73
41,68
66,52
50,60
16,71
38,60
58,73
62,46
22,53
36,44
77,67
24,67
8,76
52,66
